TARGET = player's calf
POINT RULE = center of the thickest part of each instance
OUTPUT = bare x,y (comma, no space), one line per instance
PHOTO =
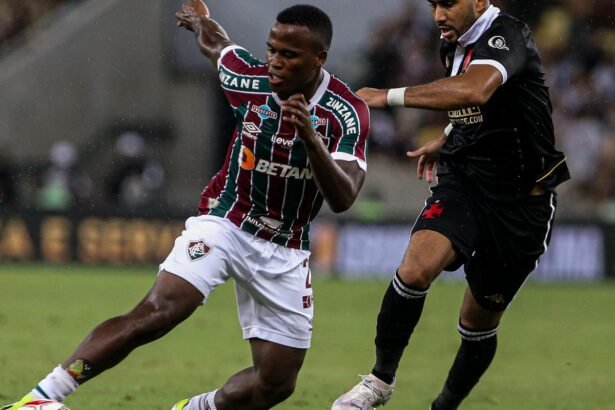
256,391
473,358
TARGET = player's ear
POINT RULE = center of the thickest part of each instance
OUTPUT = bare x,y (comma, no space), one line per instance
321,58
481,5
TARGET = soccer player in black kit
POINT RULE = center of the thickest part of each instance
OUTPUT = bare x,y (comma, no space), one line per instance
493,205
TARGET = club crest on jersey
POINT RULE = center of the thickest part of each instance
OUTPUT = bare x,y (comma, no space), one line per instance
264,112
498,42
197,250
317,121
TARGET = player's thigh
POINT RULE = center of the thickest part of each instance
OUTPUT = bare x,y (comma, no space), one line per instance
445,234
276,364
428,253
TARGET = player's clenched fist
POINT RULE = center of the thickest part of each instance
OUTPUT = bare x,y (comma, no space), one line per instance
190,10
373,97
199,7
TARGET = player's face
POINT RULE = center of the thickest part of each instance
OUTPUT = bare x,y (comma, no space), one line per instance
455,17
294,60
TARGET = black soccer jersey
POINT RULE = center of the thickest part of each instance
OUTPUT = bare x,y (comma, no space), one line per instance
506,146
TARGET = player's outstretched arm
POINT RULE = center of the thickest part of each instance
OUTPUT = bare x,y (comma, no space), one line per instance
211,37
474,87
374,97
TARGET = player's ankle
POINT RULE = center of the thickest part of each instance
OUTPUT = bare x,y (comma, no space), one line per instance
447,400
385,377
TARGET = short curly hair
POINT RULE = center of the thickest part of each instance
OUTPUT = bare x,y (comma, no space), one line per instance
316,20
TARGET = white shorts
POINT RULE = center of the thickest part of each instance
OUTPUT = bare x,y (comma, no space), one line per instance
272,282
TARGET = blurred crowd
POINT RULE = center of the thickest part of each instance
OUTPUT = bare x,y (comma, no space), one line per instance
18,15
63,180
131,178
577,44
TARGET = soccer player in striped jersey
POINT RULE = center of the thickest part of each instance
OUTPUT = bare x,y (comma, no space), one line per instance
300,140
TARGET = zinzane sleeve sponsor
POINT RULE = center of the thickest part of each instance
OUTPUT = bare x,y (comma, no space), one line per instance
353,116
504,47
241,75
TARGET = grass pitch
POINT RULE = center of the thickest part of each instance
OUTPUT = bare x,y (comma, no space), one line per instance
555,343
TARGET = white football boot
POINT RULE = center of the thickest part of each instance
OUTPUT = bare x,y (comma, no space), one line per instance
370,392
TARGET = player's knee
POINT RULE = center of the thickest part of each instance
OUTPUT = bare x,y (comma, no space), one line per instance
277,389
416,275
151,320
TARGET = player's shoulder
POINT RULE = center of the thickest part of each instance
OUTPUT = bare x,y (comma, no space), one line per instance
235,55
504,30
508,23
339,90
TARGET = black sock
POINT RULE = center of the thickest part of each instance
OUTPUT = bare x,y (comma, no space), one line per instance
400,312
473,358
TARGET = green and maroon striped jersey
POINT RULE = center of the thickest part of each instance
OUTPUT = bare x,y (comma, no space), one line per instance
266,186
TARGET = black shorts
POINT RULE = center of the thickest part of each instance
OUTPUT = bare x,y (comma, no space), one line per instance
499,243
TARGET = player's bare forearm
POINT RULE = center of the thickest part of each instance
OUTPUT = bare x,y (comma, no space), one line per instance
212,39
210,35
473,88
466,90
338,181
373,97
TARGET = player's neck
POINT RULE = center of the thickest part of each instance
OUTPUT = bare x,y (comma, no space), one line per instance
310,90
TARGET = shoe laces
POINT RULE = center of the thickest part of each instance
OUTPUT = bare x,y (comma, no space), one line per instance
369,389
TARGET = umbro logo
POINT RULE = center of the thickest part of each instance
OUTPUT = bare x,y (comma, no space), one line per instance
251,127
197,250
250,130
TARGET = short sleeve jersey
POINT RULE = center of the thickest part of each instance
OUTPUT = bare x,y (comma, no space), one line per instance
266,185
506,146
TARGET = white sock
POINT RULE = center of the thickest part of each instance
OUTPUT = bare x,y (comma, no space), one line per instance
55,386
203,401
210,400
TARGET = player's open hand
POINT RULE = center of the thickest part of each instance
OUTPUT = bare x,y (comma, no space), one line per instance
373,97
295,111
191,12
428,159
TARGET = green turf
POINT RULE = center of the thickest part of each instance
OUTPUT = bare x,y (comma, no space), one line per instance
556,343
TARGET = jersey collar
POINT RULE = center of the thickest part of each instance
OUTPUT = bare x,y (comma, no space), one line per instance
320,91
480,26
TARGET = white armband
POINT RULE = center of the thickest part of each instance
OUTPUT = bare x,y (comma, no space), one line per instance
448,129
396,97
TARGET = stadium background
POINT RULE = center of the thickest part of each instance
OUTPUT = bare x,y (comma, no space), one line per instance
112,122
